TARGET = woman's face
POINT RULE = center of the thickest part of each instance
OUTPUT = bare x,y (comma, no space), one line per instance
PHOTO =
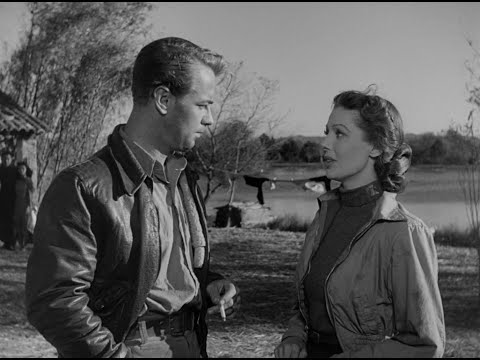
22,169
347,156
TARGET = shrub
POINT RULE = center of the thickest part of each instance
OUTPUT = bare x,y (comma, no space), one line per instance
288,223
453,236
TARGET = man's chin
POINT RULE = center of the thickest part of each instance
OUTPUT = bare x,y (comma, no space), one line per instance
184,149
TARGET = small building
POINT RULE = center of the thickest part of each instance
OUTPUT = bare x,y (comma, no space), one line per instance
19,131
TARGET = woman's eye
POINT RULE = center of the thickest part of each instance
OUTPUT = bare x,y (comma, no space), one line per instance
325,132
339,133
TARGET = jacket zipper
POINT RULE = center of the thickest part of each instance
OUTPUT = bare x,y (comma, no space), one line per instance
324,206
354,240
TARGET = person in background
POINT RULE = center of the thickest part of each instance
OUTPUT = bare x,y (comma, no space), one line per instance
367,276
8,175
120,261
24,202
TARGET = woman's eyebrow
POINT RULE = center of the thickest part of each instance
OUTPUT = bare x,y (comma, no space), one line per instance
341,126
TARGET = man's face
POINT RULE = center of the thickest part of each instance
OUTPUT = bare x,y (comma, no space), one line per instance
6,160
191,113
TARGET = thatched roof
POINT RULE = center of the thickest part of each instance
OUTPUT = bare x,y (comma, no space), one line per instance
15,121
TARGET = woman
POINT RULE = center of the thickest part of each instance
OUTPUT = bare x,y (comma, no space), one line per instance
367,274
24,194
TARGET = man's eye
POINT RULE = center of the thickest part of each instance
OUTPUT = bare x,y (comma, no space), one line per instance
339,133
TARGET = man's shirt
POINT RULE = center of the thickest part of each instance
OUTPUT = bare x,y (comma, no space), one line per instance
176,284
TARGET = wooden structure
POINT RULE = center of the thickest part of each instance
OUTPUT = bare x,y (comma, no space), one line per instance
19,131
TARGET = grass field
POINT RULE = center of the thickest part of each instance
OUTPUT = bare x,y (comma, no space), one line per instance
261,262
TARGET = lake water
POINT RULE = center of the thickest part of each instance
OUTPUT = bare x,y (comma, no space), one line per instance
438,215
433,194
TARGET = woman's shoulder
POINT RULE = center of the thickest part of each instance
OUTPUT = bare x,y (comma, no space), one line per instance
413,231
412,220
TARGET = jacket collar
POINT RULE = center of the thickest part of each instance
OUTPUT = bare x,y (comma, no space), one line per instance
131,171
386,208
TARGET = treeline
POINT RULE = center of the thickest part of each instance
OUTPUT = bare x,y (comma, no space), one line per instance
447,148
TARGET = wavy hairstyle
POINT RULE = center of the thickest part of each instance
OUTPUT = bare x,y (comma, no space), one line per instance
168,62
383,128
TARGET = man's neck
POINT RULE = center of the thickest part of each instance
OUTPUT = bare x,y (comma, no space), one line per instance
139,130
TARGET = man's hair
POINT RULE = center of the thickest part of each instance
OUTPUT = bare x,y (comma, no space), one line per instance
168,62
7,152
383,128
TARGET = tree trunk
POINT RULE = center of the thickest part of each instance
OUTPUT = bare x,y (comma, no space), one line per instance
232,195
478,274
232,191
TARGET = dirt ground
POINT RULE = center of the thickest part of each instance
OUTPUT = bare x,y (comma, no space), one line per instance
261,263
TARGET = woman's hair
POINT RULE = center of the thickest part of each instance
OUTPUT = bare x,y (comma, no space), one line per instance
383,128
28,170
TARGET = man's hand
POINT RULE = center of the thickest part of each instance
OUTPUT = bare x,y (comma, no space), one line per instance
291,348
223,293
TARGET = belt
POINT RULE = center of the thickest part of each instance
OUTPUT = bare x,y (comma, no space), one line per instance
174,324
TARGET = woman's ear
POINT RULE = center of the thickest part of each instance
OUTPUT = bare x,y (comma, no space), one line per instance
374,153
162,96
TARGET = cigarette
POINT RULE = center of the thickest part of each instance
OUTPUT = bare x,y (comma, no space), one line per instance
222,312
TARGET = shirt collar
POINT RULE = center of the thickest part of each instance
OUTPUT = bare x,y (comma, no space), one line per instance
151,166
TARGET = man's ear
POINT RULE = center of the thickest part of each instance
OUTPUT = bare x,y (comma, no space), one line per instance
162,97
374,153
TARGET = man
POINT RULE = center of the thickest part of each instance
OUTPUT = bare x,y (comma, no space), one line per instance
120,263
8,174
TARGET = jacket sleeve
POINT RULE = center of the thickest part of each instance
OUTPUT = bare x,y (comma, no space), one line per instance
296,328
418,313
212,276
60,270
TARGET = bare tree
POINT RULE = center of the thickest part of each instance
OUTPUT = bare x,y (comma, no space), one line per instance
231,146
469,177
72,66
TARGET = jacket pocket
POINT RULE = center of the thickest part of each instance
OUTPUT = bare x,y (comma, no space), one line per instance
366,314
109,304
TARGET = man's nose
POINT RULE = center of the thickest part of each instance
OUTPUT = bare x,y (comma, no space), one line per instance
208,118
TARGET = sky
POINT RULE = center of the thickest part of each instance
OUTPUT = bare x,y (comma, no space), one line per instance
414,52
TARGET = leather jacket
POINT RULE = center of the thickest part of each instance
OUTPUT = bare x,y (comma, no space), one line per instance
96,254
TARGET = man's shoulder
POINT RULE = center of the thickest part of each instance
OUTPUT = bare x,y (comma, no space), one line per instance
96,167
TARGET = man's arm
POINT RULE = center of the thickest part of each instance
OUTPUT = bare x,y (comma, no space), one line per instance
60,270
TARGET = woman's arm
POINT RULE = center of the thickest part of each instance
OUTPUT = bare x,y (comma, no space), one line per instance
418,313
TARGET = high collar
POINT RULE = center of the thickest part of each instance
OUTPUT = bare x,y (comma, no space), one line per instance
360,196
386,208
